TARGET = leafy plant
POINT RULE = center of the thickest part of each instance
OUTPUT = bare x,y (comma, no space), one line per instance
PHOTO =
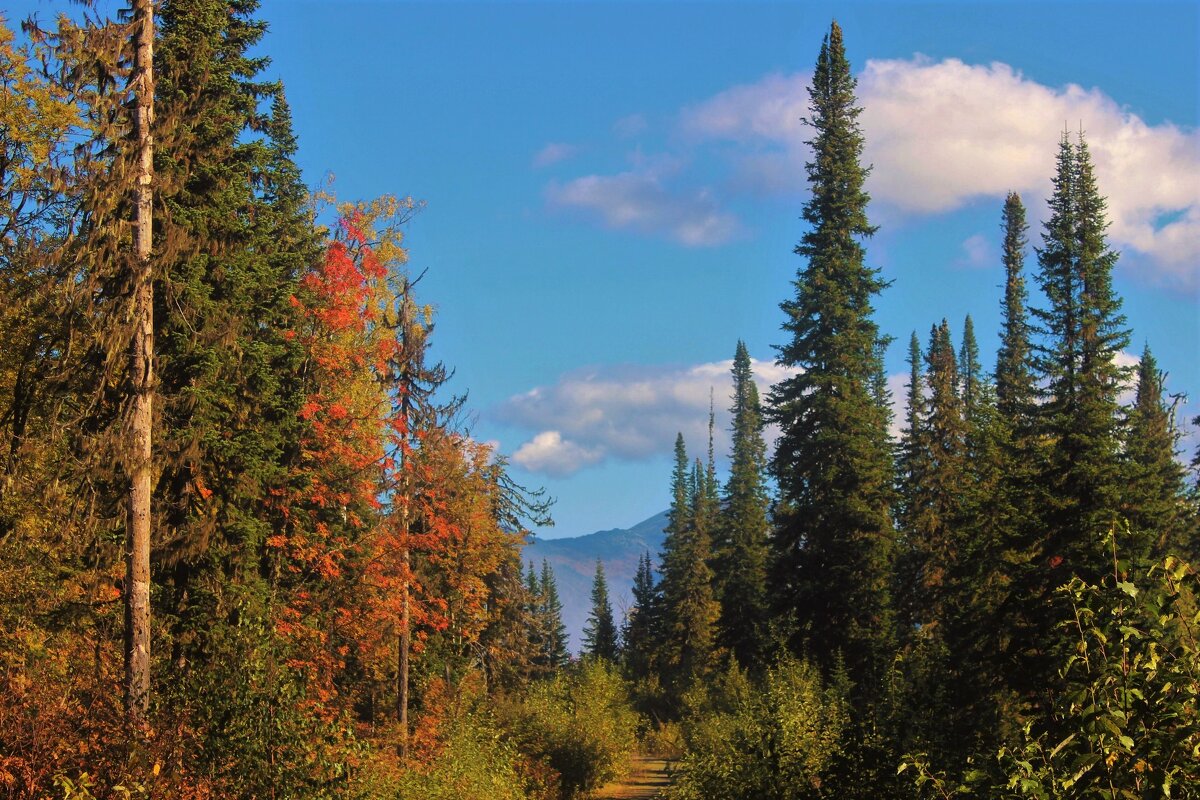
1126,724
580,723
772,740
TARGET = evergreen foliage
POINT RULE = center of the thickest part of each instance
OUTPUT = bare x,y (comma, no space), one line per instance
1016,392
834,541
1154,479
552,634
1083,331
639,635
740,558
600,632
937,471
688,609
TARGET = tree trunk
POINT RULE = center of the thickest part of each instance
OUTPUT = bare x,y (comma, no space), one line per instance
141,375
405,647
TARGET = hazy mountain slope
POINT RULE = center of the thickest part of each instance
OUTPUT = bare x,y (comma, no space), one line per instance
574,562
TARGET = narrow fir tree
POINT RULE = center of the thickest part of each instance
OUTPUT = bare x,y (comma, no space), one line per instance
937,517
969,370
1015,388
688,610
741,563
600,632
639,634
909,469
554,633
833,547
976,578
1154,479
1083,332
1013,646
535,633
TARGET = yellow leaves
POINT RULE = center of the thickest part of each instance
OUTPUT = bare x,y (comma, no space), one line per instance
36,115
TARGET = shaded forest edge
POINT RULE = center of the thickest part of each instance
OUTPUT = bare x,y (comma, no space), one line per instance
332,599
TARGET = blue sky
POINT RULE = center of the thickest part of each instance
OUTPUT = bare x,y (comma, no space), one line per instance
613,189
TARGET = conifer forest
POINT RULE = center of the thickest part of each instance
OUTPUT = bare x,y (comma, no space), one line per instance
250,548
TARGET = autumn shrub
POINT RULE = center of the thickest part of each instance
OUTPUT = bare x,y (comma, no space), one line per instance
250,721
579,723
475,761
1127,722
58,712
768,739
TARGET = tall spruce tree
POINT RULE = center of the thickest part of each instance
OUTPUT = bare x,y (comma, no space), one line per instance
639,634
1021,453
909,467
937,518
1154,479
834,541
553,632
1015,383
1083,331
600,632
741,558
1070,500
969,370
688,611
235,238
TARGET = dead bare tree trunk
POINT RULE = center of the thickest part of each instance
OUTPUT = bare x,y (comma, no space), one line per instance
141,374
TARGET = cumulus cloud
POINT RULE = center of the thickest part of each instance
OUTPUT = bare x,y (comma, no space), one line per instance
978,251
624,412
550,454
553,153
941,134
637,200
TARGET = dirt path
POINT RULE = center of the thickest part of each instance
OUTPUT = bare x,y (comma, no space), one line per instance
647,779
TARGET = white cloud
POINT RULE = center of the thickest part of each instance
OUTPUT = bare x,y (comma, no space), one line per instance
638,201
978,251
941,134
552,455
1130,362
770,109
553,153
624,412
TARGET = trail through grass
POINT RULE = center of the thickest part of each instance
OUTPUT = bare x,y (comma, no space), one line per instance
648,778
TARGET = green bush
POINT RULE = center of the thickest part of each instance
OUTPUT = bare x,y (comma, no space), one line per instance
767,740
580,724
476,763
1127,724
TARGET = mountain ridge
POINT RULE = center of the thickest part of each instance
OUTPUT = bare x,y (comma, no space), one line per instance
573,559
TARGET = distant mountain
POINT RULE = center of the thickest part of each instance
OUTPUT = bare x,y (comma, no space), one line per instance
573,560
